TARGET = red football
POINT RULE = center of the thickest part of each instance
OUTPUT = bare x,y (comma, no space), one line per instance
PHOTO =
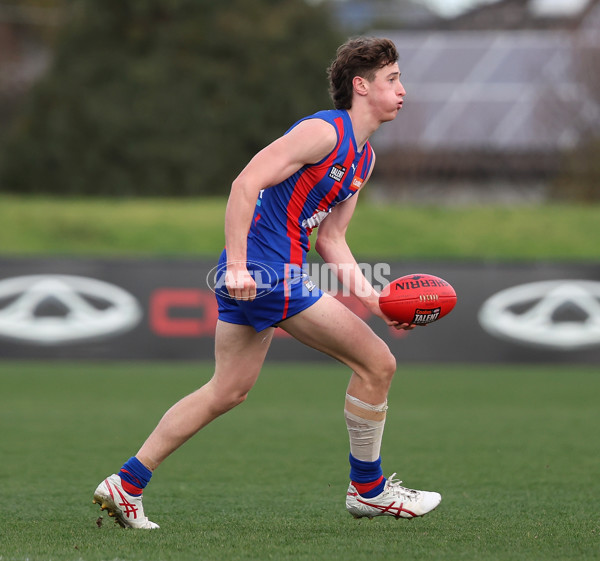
419,299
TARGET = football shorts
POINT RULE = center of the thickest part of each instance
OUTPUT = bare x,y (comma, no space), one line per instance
282,290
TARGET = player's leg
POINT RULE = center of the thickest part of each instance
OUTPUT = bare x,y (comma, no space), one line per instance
332,328
239,355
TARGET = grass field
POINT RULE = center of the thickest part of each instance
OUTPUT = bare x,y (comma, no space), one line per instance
176,227
513,450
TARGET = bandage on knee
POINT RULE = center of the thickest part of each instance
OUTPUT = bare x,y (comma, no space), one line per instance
365,424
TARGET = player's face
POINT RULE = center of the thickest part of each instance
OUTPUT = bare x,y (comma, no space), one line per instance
387,92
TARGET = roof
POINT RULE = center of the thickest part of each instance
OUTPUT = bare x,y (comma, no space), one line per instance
524,14
494,90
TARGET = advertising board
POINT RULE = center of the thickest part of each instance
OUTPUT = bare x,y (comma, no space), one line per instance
161,309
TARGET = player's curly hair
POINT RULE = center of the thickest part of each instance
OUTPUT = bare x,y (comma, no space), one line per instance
359,56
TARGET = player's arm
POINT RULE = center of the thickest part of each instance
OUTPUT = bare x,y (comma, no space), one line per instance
307,143
332,246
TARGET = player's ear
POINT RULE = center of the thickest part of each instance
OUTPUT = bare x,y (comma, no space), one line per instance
360,85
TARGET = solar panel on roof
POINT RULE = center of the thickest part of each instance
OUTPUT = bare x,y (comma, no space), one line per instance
504,90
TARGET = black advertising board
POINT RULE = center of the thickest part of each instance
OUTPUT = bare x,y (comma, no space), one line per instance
161,309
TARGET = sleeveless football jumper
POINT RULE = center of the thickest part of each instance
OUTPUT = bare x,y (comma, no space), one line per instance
283,220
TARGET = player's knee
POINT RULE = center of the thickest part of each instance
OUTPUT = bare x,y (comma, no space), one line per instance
391,363
240,398
224,400
381,370
387,366
234,399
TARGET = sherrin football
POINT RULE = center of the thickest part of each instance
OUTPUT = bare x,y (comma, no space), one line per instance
418,299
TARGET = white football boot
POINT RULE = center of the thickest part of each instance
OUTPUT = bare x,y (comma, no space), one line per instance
394,500
126,509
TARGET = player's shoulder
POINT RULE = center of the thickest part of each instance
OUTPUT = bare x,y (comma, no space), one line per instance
330,115
325,120
318,134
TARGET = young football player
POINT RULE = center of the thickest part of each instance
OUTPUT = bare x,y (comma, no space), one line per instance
309,177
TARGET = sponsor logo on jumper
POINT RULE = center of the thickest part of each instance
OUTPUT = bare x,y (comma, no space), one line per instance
561,314
315,219
58,309
357,182
337,172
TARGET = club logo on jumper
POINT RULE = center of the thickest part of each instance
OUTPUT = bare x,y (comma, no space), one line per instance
264,276
59,309
337,172
423,316
561,315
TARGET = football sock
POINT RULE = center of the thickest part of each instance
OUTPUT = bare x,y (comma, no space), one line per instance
134,476
367,477
365,424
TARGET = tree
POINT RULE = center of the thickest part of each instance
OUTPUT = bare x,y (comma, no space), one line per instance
167,97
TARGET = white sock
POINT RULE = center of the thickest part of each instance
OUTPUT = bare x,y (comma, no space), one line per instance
365,424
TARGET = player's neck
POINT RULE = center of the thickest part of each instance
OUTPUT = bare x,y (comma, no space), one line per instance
363,125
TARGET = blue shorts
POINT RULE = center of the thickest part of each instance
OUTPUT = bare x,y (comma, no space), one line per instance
282,290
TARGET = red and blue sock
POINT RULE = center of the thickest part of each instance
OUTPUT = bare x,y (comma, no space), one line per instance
134,476
367,477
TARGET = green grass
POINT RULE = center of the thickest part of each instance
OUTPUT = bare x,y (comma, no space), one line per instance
194,227
111,226
548,232
512,449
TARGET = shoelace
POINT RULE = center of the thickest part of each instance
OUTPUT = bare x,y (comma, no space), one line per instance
401,492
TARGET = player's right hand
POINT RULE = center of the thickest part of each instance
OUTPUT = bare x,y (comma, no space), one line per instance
396,324
239,283
377,311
